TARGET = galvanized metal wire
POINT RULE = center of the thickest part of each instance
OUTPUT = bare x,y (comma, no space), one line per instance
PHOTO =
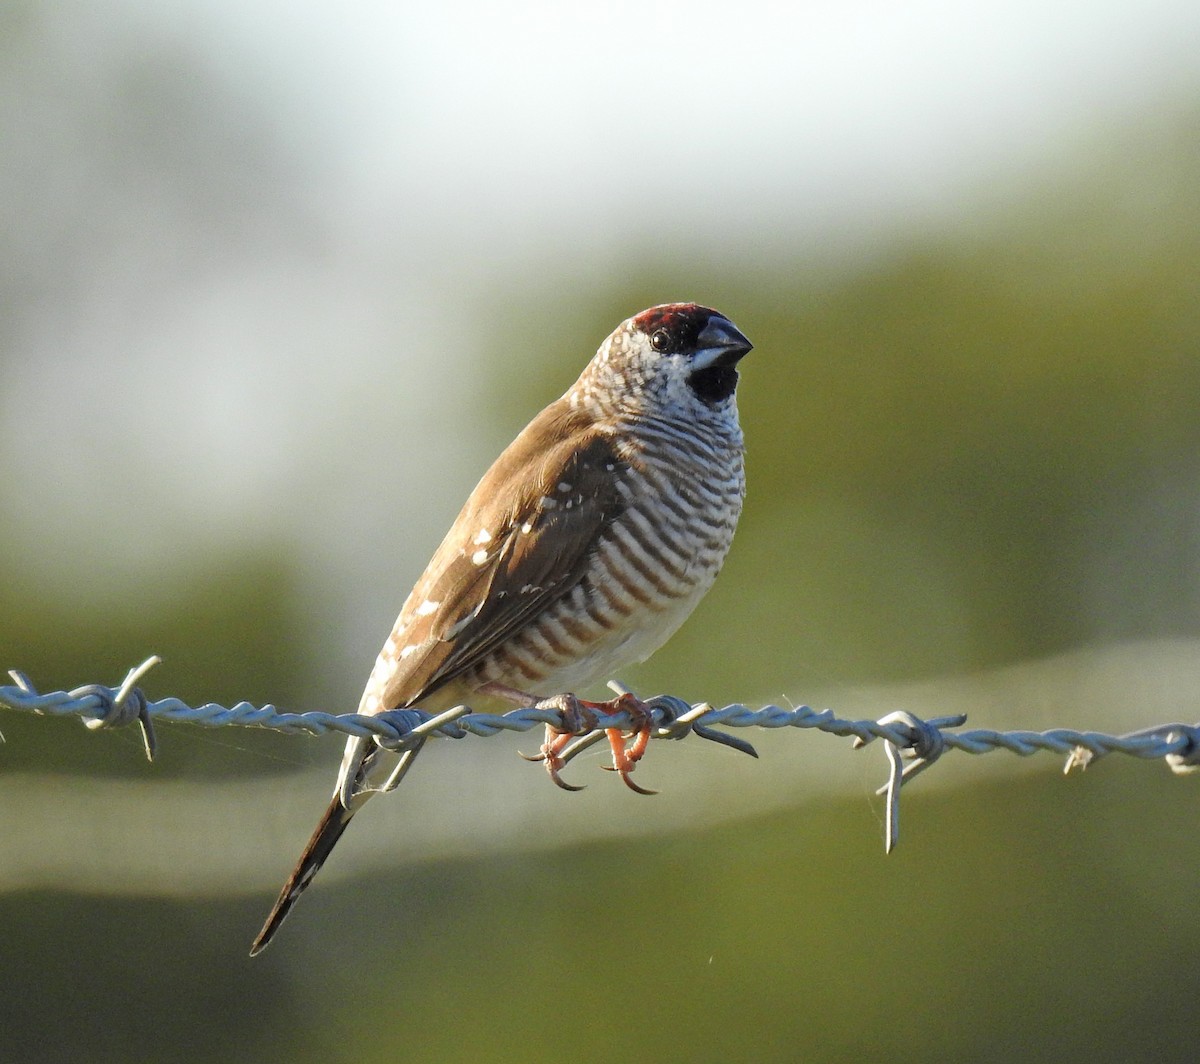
911,743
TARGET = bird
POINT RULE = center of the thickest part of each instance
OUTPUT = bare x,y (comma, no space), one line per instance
583,548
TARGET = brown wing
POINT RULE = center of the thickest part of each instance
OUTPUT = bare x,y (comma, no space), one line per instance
522,540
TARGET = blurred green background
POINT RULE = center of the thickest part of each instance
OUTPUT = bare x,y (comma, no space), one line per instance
274,293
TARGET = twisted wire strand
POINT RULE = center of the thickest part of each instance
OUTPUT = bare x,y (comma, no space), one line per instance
912,744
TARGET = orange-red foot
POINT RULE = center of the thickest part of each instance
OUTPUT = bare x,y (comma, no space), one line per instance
625,758
578,719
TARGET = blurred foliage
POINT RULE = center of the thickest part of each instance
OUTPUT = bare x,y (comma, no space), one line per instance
126,980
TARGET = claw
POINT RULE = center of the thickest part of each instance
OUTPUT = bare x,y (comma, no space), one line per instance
624,772
637,788
560,782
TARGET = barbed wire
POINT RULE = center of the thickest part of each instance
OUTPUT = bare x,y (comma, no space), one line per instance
911,743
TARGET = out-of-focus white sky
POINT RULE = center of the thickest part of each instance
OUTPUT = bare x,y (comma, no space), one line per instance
506,122
399,169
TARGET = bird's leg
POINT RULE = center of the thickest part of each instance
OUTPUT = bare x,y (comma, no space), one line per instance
578,719
625,758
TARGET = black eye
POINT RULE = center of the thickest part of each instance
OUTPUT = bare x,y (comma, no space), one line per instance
661,340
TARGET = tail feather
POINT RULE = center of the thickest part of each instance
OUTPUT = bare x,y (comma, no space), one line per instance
328,831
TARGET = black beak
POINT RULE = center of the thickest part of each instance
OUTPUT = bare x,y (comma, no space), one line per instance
720,344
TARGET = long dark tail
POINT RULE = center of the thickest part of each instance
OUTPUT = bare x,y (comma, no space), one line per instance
329,830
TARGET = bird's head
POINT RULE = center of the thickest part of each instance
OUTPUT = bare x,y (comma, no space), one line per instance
678,360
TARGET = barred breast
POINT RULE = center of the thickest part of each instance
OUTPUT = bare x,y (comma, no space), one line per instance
683,486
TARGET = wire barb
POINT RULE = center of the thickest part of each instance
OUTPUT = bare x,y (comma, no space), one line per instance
1179,744
1187,759
680,719
921,743
114,708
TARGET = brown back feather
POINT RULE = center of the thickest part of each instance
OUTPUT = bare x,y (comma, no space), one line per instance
541,539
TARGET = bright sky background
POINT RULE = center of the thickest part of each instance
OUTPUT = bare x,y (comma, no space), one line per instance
504,119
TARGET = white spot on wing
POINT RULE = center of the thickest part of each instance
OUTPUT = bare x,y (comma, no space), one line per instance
482,536
407,650
458,626
527,527
563,486
427,607
480,557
